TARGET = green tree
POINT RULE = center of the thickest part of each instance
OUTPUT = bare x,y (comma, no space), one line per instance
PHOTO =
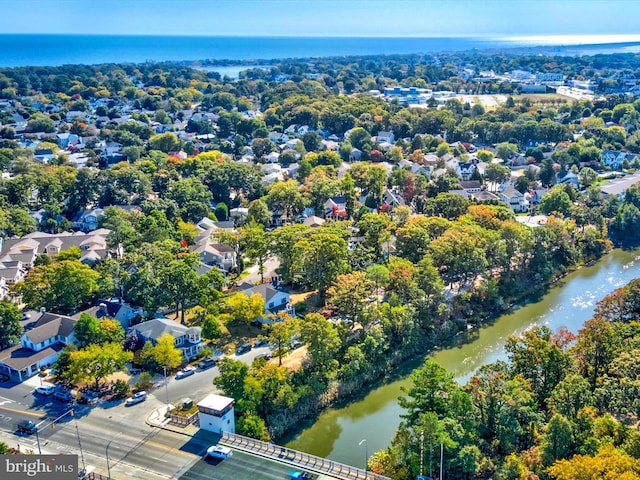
96,362
256,244
431,386
323,342
286,198
281,333
231,380
555,200
62,287
10,327
259,213
504,150
319,259
558,440
179,285
350,295
164,142
165,353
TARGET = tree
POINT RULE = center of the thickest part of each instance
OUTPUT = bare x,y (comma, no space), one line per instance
547,173
349,296
496,173
256,243
286,198
311,141
165,354
323,342
259,213
536,356
164,142
430,388
231,380
10,328
608,463
587,176
281,333
211,328
242,308
555,200
96,362
86,330
62,287
558,439
320,258
179,285
504,150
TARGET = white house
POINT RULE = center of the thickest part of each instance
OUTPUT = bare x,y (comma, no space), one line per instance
275,298
514,199
215,414
39,346
187,339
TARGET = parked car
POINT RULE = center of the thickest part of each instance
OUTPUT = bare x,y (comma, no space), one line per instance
185,372
260,343
137,397
207,362
296,344
27,426
63,395
217,451
46,389
244,348
265,355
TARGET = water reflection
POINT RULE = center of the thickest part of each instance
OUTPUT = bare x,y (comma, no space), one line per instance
376,416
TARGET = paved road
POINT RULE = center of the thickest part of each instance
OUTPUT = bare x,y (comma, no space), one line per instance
239,467
136,450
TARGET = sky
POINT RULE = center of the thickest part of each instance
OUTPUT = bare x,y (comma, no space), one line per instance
386,18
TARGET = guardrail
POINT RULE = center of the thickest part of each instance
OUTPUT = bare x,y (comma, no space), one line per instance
181,421
297,459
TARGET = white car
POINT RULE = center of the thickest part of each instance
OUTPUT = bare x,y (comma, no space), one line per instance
216,451
185,372
136,398
45,390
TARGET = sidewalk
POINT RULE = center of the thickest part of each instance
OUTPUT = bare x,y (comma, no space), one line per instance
157,419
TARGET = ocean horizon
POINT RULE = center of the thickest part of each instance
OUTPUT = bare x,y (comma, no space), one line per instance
18,50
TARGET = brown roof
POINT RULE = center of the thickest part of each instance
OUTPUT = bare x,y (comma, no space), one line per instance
19,358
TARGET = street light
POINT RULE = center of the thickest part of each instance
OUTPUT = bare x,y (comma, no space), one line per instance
106,451
166,390
366,456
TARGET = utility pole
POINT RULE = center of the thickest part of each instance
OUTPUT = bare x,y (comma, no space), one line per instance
441,461
106,451
84,468
166,390
421,452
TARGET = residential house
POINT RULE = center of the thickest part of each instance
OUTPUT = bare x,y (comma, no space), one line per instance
11,272
330,145
313,221
275,298
355,155
614,159
278,137
335,207
514,199
471,186
87,220
386,137
214,254
39,346
113,310
25,249
465,170
568,178
391,200
186,339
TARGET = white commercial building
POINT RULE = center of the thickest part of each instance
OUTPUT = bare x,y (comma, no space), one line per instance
215,413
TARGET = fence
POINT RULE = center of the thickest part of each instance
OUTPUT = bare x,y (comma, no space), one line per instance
180,421
298,459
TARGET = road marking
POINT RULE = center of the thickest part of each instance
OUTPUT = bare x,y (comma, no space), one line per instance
37,415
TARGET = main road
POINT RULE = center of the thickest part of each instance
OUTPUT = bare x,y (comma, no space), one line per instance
112,430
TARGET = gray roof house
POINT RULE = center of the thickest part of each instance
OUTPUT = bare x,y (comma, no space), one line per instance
39,346
275,299
187,339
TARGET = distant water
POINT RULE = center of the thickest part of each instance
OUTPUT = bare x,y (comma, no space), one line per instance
54,50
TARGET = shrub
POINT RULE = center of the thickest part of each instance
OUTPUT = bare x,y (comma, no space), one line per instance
121,389
145,381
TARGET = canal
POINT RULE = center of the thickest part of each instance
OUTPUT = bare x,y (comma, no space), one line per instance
338,432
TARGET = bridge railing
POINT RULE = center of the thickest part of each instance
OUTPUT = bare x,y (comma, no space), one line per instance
298,459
